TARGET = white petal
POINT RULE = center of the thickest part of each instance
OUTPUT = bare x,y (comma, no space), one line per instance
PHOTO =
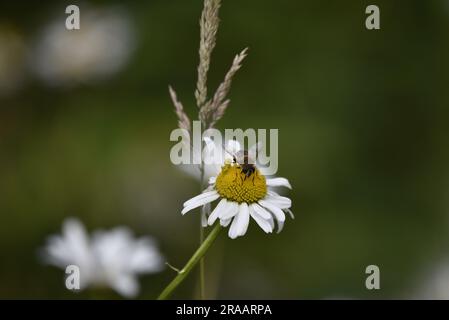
225,223
72,247
233,146
290,213
244,216
212,180
278,213
212,157
240,223
199,197
222,205
261,211
76,238
254,149
231,210
271,222
210,144
199,201
280,226
126,285
232,233
265,170
209,188
271,193
144,257
211,170
264,224
279,201
278,182
112,250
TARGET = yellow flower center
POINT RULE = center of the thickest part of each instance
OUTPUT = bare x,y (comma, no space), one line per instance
235,185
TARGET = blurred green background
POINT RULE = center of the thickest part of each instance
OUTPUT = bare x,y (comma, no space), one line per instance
363,129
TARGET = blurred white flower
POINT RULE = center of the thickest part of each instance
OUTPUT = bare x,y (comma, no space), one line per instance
244,192
434,285
108,258
100,48
12,60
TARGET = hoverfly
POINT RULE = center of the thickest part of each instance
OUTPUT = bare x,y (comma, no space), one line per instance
245,159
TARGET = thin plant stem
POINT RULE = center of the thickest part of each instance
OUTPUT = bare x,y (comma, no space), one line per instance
199,253
202,269
202,265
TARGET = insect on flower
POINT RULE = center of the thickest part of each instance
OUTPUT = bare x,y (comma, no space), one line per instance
242,158
243,191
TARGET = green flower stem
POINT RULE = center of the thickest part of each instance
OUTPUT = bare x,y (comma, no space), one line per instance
202,265
200,252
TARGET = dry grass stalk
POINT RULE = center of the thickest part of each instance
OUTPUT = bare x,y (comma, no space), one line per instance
208,33
215,108
183,119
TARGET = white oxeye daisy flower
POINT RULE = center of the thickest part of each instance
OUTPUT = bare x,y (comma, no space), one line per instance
243,192
107,259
